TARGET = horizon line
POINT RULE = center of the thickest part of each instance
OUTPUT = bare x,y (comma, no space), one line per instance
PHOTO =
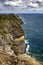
21,12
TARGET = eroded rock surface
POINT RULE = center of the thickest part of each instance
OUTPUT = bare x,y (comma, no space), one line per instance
10,30
12,45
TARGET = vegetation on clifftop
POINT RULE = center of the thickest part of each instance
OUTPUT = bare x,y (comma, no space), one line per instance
11,24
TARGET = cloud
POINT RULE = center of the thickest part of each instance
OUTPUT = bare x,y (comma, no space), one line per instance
21,6
34,5
13,3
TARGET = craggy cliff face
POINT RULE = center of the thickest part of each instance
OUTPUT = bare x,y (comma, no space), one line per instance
11,31
12,45
11,24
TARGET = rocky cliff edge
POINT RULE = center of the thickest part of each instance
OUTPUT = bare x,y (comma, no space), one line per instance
12,45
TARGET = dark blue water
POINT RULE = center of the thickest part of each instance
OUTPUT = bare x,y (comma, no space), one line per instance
33,27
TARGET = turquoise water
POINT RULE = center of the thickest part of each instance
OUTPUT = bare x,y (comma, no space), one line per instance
33,28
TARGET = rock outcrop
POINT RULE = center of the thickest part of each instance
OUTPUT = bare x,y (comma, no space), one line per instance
12,45
11,31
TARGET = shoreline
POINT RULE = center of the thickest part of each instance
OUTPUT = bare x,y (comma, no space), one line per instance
14,45
26,55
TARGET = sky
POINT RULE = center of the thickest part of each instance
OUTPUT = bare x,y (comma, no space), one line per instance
21,6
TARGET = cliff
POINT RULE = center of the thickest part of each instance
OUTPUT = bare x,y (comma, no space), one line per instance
12,45
11,32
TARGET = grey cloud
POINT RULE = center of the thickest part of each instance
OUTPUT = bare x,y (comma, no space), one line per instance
24,5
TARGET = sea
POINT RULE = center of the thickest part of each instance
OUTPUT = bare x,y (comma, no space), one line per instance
33,29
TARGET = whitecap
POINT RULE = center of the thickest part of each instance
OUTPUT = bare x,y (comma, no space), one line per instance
27,49
26,42
28,46
24,22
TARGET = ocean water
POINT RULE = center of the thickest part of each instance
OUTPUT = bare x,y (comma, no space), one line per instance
33,28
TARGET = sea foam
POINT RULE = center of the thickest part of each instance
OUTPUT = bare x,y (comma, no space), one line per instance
27,49
26,42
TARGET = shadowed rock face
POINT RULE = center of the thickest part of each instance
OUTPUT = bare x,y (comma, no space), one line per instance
22,47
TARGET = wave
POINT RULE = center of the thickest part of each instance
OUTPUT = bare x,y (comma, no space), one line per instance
26,42
24,22
27,49
28,46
